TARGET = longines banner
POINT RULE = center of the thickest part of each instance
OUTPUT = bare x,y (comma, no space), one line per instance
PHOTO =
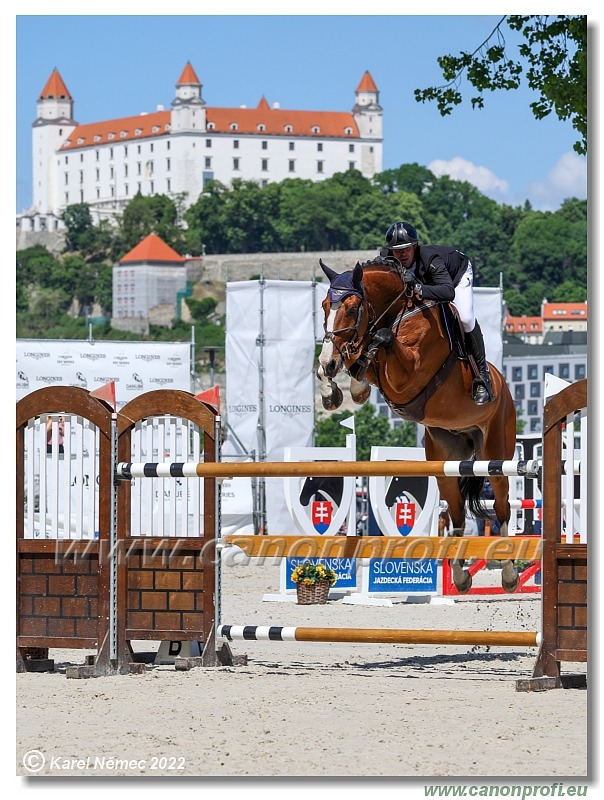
270,347
136,367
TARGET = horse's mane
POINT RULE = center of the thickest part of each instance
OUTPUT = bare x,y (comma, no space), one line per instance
386,264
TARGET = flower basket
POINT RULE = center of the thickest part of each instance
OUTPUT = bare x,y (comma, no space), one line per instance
313,593
313,582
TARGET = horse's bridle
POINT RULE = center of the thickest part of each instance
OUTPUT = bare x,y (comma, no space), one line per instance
356,345
352,347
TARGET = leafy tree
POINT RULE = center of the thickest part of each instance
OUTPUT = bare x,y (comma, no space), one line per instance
156,214
408,178
35,265
200,309
204,220
568,292
78,222
552,57
370,429
551,250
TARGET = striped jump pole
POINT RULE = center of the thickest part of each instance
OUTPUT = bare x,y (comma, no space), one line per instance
316,469
260,633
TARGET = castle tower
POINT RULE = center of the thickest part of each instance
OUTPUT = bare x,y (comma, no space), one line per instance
188,107
52,126
367,113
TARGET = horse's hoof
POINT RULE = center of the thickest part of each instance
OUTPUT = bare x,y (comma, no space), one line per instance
465,586
334,401
510,577
510,586
359,399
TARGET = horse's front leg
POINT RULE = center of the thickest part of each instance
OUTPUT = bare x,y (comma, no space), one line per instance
331,394
359,390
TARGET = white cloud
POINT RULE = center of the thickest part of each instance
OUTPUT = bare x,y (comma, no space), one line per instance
482,178
567,178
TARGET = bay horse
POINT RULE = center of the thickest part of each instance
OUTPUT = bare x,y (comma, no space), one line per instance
383,337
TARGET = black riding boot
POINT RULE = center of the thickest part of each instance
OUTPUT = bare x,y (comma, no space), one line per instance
482,391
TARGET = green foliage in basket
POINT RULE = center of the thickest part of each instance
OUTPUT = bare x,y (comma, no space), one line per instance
309,574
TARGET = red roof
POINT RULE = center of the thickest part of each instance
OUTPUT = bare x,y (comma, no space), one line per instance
262,120
523,324
152,249
55,87
557,311
188,76
367,83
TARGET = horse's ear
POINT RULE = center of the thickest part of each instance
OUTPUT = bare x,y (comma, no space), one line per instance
357,277
329,272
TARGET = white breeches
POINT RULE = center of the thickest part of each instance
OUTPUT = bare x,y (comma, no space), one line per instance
464,299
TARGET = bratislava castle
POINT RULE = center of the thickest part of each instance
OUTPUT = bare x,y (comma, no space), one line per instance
177,152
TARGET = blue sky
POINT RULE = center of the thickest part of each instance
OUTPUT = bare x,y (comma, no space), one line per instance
122,64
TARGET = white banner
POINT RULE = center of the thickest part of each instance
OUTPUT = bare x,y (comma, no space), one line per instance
488,310
136,367
270,332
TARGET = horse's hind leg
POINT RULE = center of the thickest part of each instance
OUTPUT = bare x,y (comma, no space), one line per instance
509,574
443,445
449,491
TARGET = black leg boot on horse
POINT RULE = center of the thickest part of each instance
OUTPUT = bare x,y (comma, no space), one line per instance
482,391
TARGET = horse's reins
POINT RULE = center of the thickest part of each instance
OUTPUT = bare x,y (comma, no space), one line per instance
352,347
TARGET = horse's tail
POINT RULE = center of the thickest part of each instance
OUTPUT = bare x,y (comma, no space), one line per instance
471,489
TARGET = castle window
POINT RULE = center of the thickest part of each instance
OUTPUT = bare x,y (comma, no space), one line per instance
123,134
97,138
261,127
236,163
233,126
292,166
319,166
292,145
316,129
211,126
289,129
348,131
111,136
138,132
320,147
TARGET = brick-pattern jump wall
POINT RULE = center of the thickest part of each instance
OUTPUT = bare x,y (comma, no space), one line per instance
59,596
572,605
166,590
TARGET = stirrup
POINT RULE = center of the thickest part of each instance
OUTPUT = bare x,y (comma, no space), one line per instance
481,397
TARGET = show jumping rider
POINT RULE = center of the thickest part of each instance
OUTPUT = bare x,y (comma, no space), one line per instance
443,274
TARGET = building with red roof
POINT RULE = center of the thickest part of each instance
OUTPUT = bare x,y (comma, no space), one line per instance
147,282
177,151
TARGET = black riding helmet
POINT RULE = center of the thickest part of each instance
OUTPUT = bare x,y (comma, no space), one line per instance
401,235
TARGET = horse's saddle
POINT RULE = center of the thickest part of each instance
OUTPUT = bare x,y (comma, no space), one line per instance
415,409
454,330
